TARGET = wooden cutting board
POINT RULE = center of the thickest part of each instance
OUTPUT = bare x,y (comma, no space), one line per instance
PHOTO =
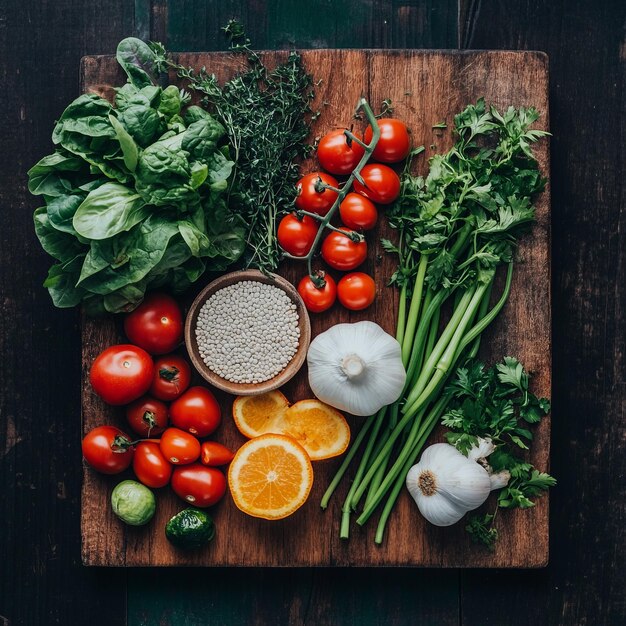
426,88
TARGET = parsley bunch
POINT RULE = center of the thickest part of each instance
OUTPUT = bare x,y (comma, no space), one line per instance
497,404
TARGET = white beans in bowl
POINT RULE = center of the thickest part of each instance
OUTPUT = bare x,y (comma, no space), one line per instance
248,332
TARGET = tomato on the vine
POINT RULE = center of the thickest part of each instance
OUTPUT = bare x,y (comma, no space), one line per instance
147,416
199,485
179,447
296,236
196,411
107,449
382,184
150,466
171,377
394,143
318,299
121,374
356,291
156,325
214,454
340,252
358,212
338,154
312,200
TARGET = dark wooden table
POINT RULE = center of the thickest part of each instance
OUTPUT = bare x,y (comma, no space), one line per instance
41,578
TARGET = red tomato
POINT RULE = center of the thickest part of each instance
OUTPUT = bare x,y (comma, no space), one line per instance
196,411
107,449
337,154
340,252
199,485
214,453
147,416
315,299
394,143
179,447
150,466
382,184
171,377
296,236
121,374
356,291
358,212
309,199
156,325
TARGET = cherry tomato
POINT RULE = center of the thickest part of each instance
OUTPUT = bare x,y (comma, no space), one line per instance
337,154
156,325
382,184
296,236
340,252
121,374
171,376
199,485
196,411
317,300
107,449
147,416
309,199
179,447
214,453
150,466
358,212
356,291
394,143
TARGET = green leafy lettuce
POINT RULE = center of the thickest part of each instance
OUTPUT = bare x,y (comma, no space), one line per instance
135,193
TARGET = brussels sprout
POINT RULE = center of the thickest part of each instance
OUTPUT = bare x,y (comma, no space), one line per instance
133,503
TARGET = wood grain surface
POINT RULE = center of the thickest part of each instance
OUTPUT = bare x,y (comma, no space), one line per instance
426,88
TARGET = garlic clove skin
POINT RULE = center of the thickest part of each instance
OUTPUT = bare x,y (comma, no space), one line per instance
445,484
356,368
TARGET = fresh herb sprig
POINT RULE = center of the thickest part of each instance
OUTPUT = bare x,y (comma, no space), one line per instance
266,114
496,403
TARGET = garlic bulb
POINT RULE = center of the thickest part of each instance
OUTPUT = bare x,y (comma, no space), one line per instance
356,368
446,484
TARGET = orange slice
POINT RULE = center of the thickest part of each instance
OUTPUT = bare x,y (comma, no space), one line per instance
255,415
321,430
270,477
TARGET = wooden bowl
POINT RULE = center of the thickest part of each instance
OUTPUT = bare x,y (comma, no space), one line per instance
248,389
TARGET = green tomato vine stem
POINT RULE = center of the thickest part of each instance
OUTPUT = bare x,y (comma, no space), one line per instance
324,221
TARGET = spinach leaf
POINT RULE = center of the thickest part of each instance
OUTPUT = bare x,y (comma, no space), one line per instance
201,137
61,211
220,169
171,102
163,174
128,145
60,245
45,177
196,240
61,283
142,122
138,61
109,210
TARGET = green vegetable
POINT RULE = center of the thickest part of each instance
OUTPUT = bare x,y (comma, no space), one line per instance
133,503
135,194
191,528
264,113
456,227
496,404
